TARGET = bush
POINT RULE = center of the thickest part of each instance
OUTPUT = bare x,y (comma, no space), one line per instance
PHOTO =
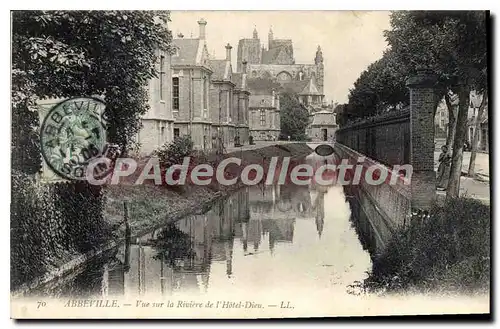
446,250
174,153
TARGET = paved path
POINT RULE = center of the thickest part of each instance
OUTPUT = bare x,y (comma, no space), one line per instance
482,167
478,188
257,145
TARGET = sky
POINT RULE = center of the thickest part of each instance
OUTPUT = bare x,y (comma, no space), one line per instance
350,40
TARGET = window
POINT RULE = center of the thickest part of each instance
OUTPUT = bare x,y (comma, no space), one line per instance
176,132
262,117
175,93
205,93
162,134
162,72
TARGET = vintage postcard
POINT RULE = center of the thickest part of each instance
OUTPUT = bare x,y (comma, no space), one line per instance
249,164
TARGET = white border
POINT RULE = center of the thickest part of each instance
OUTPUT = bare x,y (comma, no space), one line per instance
183,5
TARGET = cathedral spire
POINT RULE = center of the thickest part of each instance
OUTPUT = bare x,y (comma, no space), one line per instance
255,34
270,37
319,56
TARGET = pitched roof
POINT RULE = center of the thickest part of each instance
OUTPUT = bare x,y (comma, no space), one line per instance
278,46
220,68
187,51
261,86
323,117
310,89
240,80
295,86
260,101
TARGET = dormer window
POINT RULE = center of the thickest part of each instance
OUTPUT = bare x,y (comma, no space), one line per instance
175,52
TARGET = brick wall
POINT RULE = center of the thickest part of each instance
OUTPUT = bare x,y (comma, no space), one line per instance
385,138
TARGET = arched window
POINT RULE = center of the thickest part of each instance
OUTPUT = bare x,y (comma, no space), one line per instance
284,76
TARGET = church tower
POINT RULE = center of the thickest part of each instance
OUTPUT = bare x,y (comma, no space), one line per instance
270,39
249,51
318,60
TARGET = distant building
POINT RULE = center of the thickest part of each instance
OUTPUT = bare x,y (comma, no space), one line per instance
271,71
475,103
441,120
277,61
323,126
191,87
263,111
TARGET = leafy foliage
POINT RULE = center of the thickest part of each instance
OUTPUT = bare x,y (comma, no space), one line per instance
379,88
61,54
174,152
448,250
58,54
294,117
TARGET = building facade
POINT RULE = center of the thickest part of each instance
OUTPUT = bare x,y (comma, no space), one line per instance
190,89
441,120
264,116
158,123
241,101
277,61
223,115
323,126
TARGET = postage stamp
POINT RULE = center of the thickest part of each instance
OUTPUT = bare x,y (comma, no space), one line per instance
72,134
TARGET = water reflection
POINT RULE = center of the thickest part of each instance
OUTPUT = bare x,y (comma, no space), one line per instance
265,238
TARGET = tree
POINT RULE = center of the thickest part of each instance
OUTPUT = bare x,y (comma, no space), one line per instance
453,44
293,116
59,54
475,139
451,118
379,88
62,54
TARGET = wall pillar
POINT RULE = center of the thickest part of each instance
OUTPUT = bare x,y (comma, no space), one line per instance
422,103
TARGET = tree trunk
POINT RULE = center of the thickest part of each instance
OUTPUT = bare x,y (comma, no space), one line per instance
451,120
458,143
475,138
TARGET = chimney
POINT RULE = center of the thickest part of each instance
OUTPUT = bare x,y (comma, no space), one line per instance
244,66
202,23
228,52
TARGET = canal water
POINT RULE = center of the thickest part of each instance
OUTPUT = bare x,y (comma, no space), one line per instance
261,240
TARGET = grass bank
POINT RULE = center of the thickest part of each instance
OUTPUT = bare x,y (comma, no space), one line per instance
447,251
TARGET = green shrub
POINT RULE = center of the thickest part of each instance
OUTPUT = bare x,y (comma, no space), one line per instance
449,249
174,152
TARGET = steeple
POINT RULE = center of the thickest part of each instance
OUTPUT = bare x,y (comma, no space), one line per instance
270,38
255,34
319,56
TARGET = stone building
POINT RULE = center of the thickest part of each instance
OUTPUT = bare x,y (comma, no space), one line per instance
441,121
277,61
223,114
323,126
271,71
241,100
191,87
475,103
158,123
263,110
